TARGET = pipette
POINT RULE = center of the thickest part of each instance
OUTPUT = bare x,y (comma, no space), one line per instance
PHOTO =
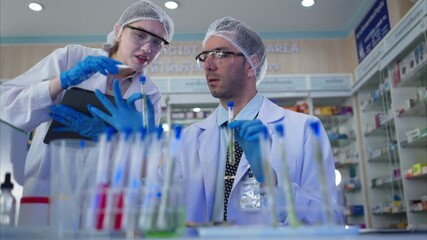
144,102
315,126
231,150
174,146
123,66
268,177
290,208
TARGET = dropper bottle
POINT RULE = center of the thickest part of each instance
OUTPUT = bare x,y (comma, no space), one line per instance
7,202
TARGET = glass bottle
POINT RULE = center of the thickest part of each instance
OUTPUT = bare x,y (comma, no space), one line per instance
7,202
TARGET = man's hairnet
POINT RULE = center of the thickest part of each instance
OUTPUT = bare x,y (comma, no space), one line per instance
141,10
244,38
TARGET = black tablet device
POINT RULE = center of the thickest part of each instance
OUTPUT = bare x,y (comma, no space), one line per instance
78,99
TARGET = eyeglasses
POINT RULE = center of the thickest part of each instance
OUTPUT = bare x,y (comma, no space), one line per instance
217,55
142,37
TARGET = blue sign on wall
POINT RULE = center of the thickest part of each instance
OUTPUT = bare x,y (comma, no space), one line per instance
373,27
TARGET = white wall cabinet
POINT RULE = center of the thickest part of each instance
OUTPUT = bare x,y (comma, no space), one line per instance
391,91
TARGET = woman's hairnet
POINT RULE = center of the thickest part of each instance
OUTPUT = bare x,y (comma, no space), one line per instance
141,10
244,38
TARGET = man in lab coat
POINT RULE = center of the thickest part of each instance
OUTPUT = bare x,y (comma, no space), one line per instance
234,60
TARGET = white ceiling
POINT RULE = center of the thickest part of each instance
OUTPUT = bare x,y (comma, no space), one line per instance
91,18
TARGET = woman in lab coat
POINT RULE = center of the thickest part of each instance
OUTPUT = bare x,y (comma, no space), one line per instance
139,36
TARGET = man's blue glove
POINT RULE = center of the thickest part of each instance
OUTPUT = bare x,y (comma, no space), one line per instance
75,121
123,115
248,134
86,68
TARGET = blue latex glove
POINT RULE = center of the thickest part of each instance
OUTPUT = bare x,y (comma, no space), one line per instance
123,115
75,121
247,134
86,68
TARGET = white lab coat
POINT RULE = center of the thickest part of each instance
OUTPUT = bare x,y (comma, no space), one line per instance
26,101
200,156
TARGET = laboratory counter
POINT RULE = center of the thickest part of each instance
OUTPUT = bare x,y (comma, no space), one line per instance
214,233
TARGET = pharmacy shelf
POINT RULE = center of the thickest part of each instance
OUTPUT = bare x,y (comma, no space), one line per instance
332,120
419,143
381,130
398,212
345,164
343,142
416,177
413,78
378,105
418,110
392,183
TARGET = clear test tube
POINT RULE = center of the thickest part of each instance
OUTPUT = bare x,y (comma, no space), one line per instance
166,188
231,148
98,201
290,207
133,186
151,182
315,127
144,106
115,200
268,177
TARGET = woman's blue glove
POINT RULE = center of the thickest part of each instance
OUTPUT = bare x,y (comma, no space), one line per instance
75,121
123,115
86,68
248,133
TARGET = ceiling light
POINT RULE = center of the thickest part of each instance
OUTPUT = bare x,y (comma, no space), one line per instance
37,7
307,3
197,109
171,4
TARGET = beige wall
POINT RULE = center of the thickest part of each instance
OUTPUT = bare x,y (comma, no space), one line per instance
397,9
312,56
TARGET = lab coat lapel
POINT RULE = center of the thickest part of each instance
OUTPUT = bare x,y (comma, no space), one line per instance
208,155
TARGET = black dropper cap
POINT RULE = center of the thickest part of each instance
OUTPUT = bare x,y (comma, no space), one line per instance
7,184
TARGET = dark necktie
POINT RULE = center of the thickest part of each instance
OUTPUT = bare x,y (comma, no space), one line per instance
230,173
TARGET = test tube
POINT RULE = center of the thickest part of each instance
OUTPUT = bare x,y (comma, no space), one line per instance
268,177
144,102
290,207
137,162
315,127
96,213
174,146
115,199
149,204
231,150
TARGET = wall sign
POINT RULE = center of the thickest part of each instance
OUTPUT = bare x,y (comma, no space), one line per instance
373,27
189,85
283,83
330,82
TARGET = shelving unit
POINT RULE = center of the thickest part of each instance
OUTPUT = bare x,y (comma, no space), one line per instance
391,90
338,118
